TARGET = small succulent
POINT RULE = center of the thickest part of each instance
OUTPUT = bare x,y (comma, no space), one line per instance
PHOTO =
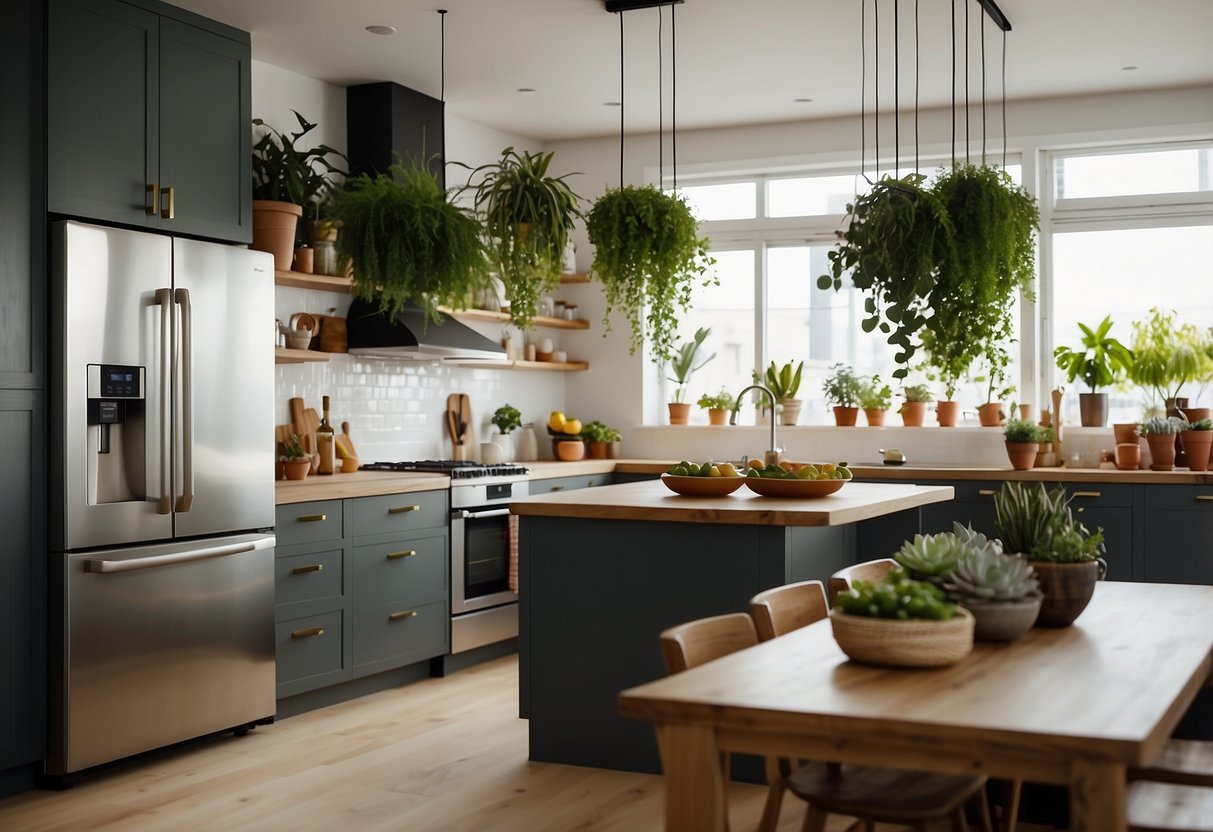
1201,424
986,575
930,557
1162,425
918,393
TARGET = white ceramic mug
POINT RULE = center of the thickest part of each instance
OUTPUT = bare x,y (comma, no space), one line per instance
490,453
560,357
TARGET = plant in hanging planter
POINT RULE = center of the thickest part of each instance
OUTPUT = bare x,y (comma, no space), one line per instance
897,236
683,365
1100,362
647,255
842,389
527,217
718,406
784,382
875,398
409,243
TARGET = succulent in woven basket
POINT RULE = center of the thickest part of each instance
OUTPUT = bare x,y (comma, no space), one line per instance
898,596
987,575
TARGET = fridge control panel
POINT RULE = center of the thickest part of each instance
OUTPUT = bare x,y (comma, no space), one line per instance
115,381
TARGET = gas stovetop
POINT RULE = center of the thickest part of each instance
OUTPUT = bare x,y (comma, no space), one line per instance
455,469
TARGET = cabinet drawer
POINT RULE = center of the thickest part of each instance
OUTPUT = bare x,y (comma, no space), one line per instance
393,635
1098,494
308,522
1171,497
308,577
398,512
310,652
404,570
569,483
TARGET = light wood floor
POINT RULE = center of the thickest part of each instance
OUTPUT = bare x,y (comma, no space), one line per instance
442,754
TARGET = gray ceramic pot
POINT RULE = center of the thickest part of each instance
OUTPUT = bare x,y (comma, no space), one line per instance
1003,621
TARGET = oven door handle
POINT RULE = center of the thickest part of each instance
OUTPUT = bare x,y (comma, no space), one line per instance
480,515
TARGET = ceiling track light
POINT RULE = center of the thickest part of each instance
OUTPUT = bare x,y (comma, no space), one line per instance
614,6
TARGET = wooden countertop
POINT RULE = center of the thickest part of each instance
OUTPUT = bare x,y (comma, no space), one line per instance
358,484
651,500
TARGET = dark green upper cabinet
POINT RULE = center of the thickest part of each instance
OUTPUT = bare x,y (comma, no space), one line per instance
148,109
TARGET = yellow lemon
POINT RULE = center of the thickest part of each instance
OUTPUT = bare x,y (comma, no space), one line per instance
714,471
556,420
572,427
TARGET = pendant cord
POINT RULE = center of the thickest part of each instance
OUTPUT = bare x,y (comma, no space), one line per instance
896,90
953,83
442,57
621,92
916,86
968,141
876,81
674,90
660,103
863,90
1004,100
983,89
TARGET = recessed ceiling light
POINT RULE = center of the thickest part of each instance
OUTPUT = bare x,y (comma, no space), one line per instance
1128,68
802,100
381,30
612,104
526,90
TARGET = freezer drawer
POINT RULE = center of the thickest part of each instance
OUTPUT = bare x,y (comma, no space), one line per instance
161,644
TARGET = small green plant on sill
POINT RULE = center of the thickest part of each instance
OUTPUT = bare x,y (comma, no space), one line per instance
1201,424
724,400
1162,425
1021,430
783,382
874,395
599,432
1102,360
842,387
685,362
918,393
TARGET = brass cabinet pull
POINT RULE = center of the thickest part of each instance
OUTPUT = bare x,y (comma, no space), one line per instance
170,211
402,509
986,492
407,553
307,633
315,567
152,206
557,488
311,518
1088,493
1206,498
400,616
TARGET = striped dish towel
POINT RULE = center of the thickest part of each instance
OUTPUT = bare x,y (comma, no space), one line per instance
513,566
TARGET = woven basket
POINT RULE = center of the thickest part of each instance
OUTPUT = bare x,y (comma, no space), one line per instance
918,642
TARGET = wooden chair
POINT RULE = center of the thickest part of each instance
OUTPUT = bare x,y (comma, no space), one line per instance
1169,807
1181,762
871,570
865,792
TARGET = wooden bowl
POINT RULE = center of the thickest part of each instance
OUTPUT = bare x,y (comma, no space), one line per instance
917,642
702,486
569,450
793,488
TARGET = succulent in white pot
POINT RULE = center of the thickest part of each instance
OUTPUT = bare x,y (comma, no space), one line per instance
1001,591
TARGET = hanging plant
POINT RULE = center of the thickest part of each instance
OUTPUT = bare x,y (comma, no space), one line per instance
647,255
408,243
527,219
897,236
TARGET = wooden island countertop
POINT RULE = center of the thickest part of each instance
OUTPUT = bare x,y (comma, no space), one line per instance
651,500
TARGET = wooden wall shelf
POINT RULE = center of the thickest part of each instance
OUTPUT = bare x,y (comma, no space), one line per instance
579,277
504,317
282,355
549,366
321,282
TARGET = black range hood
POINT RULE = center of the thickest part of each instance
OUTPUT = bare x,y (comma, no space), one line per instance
410,335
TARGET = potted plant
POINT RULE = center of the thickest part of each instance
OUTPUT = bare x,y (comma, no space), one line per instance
1039,525
1160,433
718,406
1166,356
947,361
647,255
295,461
506,419
410,244
897,235
286,180
842,389
784,382
598,438
875,399
1197,438
527,217
914,409
683,364
1022,438
1001,590
1046,457
993,412
1100,362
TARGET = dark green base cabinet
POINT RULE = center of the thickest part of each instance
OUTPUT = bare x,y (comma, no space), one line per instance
361,588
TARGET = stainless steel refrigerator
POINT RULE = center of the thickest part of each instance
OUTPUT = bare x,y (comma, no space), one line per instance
162,492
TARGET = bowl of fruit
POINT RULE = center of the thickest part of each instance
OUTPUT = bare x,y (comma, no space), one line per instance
566,437
796,479
706,479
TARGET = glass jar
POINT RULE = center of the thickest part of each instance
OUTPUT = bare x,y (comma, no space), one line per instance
324,258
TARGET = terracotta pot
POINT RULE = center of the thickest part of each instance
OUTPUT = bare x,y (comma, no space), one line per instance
613,451
1195,414
948,413
1022,454
596,450
790,412
570,450
1093,409
1192,414
846,417
1197,444
680,412
1067,589
991,414
1162,451
718,416
1127,456
1125,432
296,469
274,226
913,414
874,415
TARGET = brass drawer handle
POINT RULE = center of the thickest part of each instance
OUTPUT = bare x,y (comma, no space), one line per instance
311,518
169,212
403,509
986,492
308,633
1206,498
407,553
556,488
152,207
302,570
1088,493
399,616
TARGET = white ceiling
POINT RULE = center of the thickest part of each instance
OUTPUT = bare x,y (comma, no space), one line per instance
738,62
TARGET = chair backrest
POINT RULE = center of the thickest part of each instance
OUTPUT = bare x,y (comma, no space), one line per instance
698,642
787,608
869,570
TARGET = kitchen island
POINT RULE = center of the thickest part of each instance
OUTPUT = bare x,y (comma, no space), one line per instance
603,571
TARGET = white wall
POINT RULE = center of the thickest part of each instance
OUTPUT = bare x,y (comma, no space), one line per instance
395,408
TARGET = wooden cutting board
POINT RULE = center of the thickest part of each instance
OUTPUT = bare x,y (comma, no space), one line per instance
299,422
469,427
345,444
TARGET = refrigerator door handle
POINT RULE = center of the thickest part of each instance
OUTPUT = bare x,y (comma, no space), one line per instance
185,348
175,558
164,298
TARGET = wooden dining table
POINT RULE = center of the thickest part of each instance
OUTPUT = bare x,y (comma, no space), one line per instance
1075,706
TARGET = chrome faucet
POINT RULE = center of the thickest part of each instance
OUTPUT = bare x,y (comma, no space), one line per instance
774,452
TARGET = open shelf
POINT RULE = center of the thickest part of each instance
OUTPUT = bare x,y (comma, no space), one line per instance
504,317
283,355
579,277
322,282
550,366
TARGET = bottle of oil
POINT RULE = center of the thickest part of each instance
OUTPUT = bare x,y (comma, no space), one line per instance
326,445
